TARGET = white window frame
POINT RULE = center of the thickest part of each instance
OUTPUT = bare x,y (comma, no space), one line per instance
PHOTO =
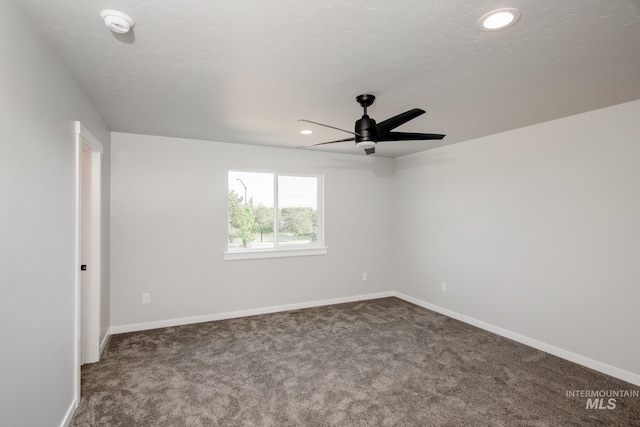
318,248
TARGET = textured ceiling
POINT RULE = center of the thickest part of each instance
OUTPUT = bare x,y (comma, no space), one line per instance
245,71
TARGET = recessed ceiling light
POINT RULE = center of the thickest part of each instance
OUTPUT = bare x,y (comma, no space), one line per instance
306,131
116,21
499,19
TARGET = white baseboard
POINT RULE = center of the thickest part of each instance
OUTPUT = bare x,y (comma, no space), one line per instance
547,348
66,421
243,313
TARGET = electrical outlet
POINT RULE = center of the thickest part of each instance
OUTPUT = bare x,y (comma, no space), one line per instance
443,287
364,277
146,298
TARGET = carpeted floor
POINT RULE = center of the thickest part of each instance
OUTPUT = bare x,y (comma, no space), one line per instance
375,363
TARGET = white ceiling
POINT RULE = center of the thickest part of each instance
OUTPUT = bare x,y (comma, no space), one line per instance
245,71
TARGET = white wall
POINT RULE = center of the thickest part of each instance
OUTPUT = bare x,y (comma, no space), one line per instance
169,225
535,230
39,103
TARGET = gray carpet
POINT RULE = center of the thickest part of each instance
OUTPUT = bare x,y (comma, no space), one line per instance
375,363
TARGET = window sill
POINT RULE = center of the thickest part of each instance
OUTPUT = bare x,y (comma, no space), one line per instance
274,253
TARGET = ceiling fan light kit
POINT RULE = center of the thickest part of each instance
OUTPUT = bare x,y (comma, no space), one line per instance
368,133
365,144
117,21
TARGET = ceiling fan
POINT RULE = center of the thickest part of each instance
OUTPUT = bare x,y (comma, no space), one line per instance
368,133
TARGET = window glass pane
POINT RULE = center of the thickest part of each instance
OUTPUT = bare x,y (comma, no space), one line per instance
251,197
269,210
297,210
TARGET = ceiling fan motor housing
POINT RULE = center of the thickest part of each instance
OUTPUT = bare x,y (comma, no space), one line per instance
366,132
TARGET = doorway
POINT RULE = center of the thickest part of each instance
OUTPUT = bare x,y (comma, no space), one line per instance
88,249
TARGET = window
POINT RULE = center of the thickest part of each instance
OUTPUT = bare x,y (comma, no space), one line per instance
274,214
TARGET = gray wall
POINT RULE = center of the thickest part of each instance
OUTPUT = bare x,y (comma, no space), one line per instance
536,231
39,103
169,225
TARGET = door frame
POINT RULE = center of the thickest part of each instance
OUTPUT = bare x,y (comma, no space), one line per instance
86,141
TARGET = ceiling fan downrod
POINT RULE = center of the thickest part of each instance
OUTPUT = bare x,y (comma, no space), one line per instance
365,101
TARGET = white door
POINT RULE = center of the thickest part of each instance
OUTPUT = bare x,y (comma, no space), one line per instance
88,226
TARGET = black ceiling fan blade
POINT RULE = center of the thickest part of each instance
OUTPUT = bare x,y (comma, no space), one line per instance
408,136
330,142
392,123
370,150
327,126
